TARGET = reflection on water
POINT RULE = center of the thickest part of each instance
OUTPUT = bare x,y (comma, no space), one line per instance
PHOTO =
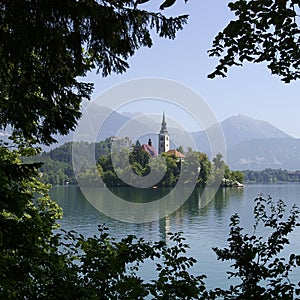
137,195
138,206
204,224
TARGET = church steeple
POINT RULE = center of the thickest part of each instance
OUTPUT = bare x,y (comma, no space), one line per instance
163,137
163,124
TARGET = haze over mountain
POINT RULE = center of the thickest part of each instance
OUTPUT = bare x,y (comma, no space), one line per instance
255,145
113,122
259,154
133,125
240,128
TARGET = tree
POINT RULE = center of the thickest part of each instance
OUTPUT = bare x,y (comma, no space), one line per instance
173,170
181,149
27,218
205,168
189,168
218,161
139,156
263,31
217,170
47,46
91,176
256,259
238,176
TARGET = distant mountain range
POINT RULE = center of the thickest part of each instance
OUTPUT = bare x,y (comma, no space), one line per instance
254,145
257,145
251,144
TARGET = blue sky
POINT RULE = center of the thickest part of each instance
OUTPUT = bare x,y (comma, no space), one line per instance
249,90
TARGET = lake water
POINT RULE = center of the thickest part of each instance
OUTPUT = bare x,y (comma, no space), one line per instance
203,227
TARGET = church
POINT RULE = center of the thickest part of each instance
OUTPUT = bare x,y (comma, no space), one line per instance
163,137
163,143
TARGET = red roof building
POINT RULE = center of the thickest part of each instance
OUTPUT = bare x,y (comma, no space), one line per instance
176,153
149,149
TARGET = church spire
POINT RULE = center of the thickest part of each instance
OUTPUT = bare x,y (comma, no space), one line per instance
163,125
163,137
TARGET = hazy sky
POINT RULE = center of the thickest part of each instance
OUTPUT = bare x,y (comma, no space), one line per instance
249,90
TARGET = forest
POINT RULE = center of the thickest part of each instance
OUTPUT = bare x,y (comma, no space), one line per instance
271,176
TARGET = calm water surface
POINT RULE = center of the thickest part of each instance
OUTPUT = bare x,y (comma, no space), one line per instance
203,227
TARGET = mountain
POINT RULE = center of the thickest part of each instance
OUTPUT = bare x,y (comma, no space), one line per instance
257,145
113,122
259,154
241,128
237,129
254,144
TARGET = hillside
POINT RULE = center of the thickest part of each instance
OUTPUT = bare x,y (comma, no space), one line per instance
238,129
57,165
259,154
254,144
242,128
112,123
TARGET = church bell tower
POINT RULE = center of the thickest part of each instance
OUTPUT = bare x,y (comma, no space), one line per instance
163,137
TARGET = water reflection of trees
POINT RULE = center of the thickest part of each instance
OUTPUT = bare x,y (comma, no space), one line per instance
200,205
203,201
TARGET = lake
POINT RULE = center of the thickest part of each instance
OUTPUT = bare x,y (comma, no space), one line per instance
203,227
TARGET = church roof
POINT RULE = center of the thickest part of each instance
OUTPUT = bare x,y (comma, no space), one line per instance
149,149
176,153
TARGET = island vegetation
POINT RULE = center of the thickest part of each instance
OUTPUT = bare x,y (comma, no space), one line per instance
57,168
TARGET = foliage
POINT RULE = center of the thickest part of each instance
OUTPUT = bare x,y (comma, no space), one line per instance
238,176
263,31
256,262
27,218
57,168
205,169
57,165
271,176
100,267
174,280
46,47
194,160
139,156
